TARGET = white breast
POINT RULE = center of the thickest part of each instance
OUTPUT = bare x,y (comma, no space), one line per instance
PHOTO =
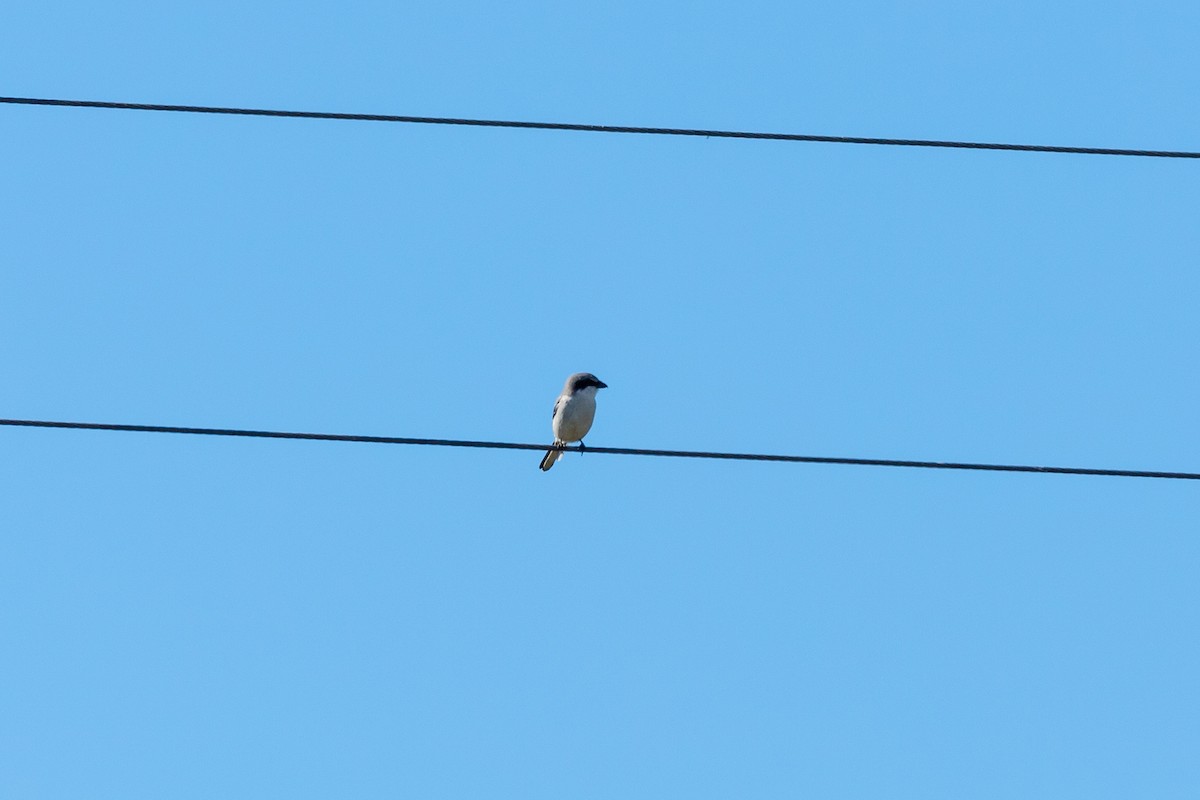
575,414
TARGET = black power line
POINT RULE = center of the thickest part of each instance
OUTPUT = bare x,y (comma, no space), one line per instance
570,126
622,451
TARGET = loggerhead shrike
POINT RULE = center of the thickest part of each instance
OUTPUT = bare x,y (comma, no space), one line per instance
573,413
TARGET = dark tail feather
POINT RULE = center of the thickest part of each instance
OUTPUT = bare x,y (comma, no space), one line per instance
549,459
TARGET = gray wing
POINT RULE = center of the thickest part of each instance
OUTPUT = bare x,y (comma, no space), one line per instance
554,413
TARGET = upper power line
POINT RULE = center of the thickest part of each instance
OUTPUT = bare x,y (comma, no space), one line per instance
623,451
571,126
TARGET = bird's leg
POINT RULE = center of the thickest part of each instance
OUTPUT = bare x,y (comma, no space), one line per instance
582,447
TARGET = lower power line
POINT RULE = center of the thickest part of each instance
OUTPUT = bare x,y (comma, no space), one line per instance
574,126
622,451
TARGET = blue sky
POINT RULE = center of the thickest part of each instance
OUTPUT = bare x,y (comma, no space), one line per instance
196,617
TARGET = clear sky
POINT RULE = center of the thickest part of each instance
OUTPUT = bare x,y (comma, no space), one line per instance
194,617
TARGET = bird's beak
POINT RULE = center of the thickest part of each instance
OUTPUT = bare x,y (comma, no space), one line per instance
602,384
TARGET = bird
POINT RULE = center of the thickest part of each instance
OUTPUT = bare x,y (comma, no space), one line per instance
573,413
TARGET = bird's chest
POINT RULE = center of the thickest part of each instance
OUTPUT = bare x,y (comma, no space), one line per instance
575,419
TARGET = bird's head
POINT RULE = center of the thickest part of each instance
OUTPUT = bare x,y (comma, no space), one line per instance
583,380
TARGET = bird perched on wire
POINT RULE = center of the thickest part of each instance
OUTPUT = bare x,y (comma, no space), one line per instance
574,411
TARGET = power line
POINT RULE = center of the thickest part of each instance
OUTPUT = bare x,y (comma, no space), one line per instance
570,126
622,451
